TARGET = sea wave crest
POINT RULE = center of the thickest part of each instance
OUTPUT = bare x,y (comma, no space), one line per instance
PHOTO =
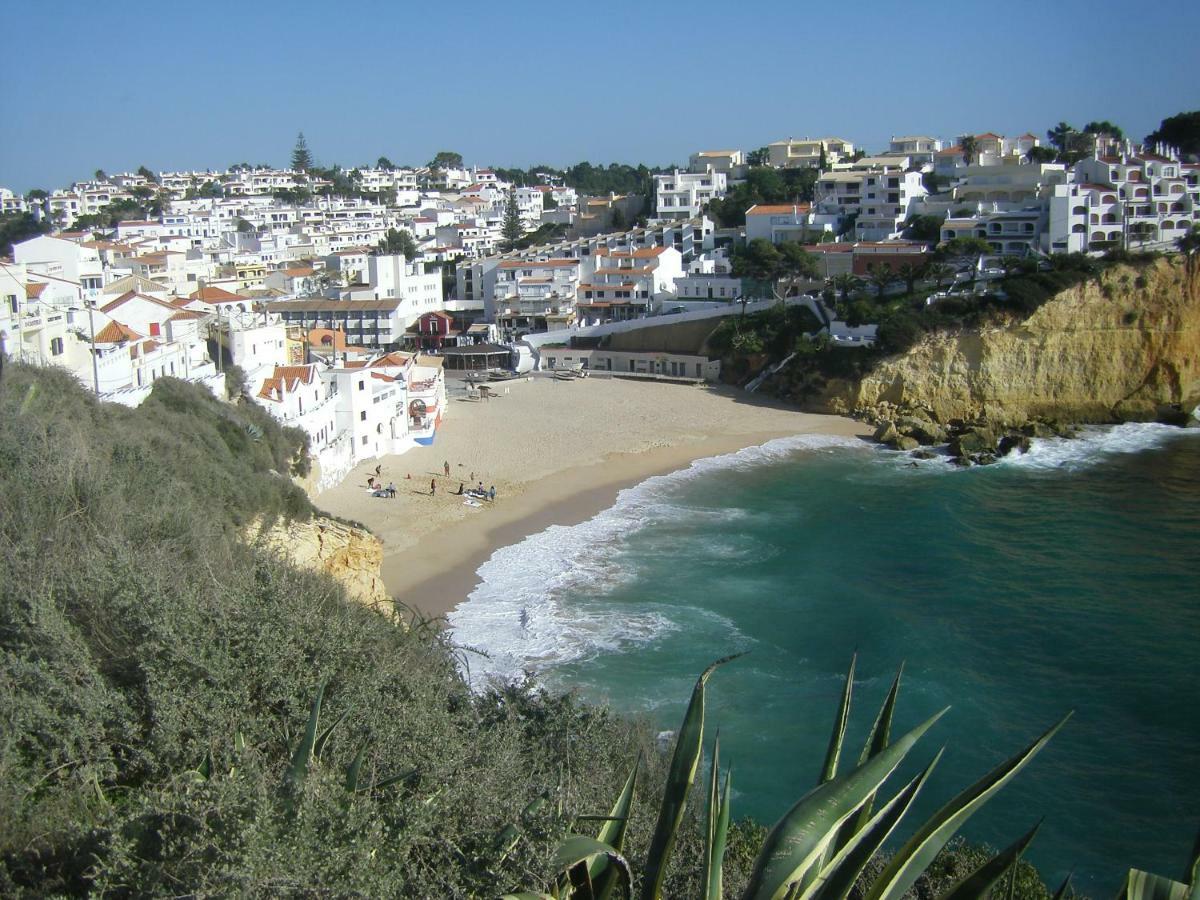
1094,444
514,617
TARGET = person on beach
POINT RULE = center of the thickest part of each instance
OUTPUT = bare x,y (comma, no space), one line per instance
432,487
492,493
446,469
459,493
370,482
379,470
391,491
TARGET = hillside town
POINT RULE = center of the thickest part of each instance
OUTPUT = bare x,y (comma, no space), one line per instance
340,297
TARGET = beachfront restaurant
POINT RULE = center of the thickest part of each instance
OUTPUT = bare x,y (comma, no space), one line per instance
475,357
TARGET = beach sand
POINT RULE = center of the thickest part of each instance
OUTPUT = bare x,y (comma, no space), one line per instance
557,452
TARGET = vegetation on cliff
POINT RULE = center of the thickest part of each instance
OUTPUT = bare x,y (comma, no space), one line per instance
156,676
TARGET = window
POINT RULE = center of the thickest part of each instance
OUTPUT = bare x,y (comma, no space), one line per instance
56,346
362,385
364,440
362,416
12,302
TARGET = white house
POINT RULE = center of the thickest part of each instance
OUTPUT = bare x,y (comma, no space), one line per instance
684,195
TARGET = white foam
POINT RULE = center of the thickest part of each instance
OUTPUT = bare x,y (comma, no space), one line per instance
515,616
1093,445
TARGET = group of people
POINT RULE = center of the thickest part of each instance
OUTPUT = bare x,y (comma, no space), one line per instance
375,486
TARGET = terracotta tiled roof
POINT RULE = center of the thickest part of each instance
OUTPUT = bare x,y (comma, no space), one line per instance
214,295
115,333
134,295
33,291
539,264
395,358
185,315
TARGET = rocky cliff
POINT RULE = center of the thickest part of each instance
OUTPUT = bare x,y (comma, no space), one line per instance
351,555
1120,348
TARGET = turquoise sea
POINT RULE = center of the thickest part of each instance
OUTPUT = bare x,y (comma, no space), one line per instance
1062,580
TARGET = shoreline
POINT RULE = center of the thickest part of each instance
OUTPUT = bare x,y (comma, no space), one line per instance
437,580
558,454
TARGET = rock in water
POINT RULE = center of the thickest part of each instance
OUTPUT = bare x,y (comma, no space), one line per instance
886,433
1011,443
905,443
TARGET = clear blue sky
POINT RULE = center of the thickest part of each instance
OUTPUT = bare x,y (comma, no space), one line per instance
175,85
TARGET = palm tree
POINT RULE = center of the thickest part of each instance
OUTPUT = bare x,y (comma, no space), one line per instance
910,272
938,272
880,276
1010,264
845,283
969,147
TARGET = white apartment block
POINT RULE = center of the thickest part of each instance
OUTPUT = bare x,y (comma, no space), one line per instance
919,148
730,163
685,195
534,295
627,284
807,152
881,200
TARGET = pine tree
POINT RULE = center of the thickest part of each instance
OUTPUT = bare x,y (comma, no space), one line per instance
301,159
511,230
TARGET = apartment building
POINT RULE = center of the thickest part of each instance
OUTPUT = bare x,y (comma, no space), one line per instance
730,163
919,148
377,324
808,152
534,295
879,199
1142,196
685,195
627,284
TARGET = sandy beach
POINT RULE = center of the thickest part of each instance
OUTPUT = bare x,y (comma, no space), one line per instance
557,452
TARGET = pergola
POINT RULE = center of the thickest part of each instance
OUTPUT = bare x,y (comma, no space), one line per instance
477,356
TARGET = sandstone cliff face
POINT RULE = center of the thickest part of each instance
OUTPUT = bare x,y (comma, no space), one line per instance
1112,351
351,555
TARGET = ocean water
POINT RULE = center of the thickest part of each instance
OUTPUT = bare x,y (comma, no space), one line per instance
1062,580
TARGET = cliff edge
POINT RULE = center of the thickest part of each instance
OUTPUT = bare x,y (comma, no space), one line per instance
351,555
1116,348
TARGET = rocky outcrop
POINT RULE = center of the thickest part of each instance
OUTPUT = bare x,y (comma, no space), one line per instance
1124,348
351,555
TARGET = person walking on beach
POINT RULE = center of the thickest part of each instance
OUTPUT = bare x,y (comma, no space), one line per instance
492,493
446,468
432,487
379,470
391,491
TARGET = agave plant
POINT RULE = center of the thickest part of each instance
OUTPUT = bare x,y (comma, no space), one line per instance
822,844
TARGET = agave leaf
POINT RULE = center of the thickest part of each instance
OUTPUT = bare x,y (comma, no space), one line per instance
612,832
355,768
720,838
298,770
829,769
394,779
239,742
1141,885
319,745
206,766
881,732
679,781
977,884
1062,888
527,895
579,848
799,839
842,871
712,814
914,857
1193,872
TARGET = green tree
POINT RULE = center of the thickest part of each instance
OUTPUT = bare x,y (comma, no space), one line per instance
37,195
100,175
759,157
1104,127
925,228
881,276
1010,264
1039,154
511,228
147,174
618,220
446,159
844,283
302,159
244,227
18,227
963,249
384,163
910,272
1181,131
398,241
939,273
1060,135
1189,245
970,147
796,266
